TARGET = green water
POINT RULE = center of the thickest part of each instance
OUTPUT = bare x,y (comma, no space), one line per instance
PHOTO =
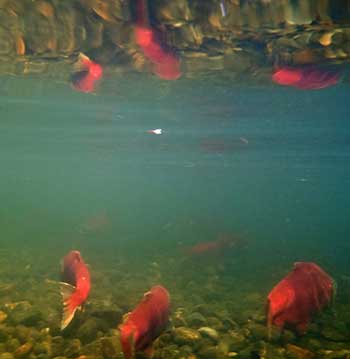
80,171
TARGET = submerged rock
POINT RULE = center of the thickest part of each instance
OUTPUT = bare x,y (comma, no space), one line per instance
296,352
110,346
73,349
209,352
25,314
89,329
333,334
209,333
196,320
183,335
6,355
3,316
24,350
57,345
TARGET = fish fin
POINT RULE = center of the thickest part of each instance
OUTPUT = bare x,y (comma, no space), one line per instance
69,308
125,317
51,281
82,63
146,296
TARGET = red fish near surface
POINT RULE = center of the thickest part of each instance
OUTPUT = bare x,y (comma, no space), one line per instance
302,293
305,78
75,286
166,64
146,322
87,73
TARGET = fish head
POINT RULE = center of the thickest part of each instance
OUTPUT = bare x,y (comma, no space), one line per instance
71,259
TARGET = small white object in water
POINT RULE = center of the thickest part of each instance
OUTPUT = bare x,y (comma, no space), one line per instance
156,131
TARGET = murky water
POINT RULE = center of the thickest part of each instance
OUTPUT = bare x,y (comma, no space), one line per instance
79,171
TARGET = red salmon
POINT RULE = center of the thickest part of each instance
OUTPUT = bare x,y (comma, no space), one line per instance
87,72
305,291
222,243
166,64
305,78
75,286
146,322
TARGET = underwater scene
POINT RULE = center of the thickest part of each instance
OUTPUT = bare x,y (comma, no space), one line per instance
174,179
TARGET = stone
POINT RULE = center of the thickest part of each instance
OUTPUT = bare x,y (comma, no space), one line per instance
209,352
12,344
87,332
183,335
25,314
3,316
296,352
196,320
6,355
23,350
333,334
208,332
57,345
73,348
110,346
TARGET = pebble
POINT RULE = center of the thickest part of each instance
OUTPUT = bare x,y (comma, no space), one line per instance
24,350
183,335
209,333
3,316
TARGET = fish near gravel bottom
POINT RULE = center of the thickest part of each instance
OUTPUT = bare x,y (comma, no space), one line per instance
146,322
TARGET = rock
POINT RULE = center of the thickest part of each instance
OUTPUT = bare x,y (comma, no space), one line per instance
12,344
267,350
73,348
249,352
42,348
3,316
257,331
183,335
296,352
110,313
209,352
203,309
330,354
312,344
24,350
57,345
287,336
215,323
3,332
22,333
170,352
229,324
110,346
87,332
196,320
209,333
237,341
25,314
333,334
6,355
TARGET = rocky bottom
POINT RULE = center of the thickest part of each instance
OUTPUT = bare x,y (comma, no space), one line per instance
216,313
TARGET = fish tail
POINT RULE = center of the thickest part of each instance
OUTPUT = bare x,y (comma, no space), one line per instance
69,303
